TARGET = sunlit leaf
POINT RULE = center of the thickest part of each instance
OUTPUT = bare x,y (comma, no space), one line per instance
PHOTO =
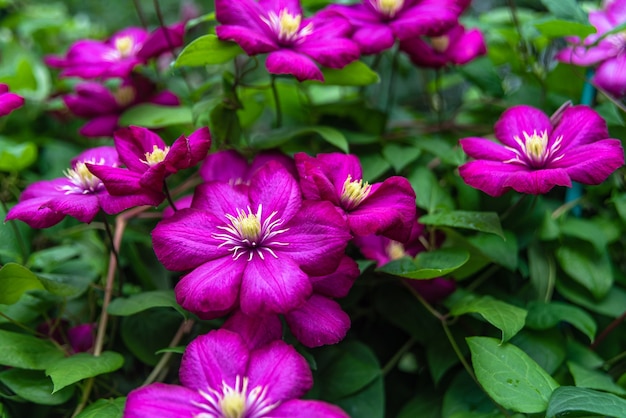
206,50
14,281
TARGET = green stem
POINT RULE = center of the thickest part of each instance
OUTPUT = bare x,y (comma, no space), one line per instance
279,116
396,357
84,397
184,328
392,85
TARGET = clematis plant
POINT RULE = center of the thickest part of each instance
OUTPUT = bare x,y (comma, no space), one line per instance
79,194
605,51
293,43
9,101
534,155
250,246
223,376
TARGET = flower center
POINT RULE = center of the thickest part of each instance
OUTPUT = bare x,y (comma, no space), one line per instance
534,149
235,402
389,8
395,250
124,96
246,234
156,156
124,45
618,41
83,181
287,26
440,43
354,192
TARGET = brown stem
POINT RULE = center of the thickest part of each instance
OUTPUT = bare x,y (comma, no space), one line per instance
610,328
184,328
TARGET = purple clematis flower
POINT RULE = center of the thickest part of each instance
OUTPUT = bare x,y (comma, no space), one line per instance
386,208
536,154
456,46
383,250
607,53
79,194
294,43
117,56
149,161
9,101
378,23
232,167
104,107
252,247
222,376
77,339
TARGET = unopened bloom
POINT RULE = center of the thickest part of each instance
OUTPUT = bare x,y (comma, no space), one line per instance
385,208
456,46
294,43
250,246
149,161
535,155
103,107
79,194
117,56
607,53
223,377
9,101
379,23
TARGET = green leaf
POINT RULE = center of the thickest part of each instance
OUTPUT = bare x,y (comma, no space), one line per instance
207,50
146,332
478,221
566,9
399,156
593,379
556,28
27,352
143,301
612,304
509,376
369,402
502,253
429,194
81,366
570,401
357,73
34,386
104,408
280,136
586,230
428,265
151,115
14,281
15,157
507,318
547,348
543,315
423,405
588,267
542,270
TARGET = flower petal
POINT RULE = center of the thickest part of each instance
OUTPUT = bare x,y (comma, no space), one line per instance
285,61
538,181
213,358
188,151
611,76
211,290
133,143
162,401
426,17
592,163
276,189
256,330
100,126
338,283
320,321
224,166
519,119
484,149
297,408
273,285
220,199
579,125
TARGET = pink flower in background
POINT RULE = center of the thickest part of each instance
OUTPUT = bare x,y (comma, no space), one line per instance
252,247
293,43
456,46
534,155
223,376
117,56
386,208
104,107
149,161
379,23
384,250
9,101
79,194
607,53
78,338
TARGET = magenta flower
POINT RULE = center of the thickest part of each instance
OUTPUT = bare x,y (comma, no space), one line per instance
319,321
456,46
103,107
232,167
149,161
536,155
386,208
117,56
378,23
607,53
294,43
222,376
77,339
79,194
9,101
252,247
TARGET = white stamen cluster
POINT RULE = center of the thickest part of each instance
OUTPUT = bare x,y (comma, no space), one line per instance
534,150
354,192
83,181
